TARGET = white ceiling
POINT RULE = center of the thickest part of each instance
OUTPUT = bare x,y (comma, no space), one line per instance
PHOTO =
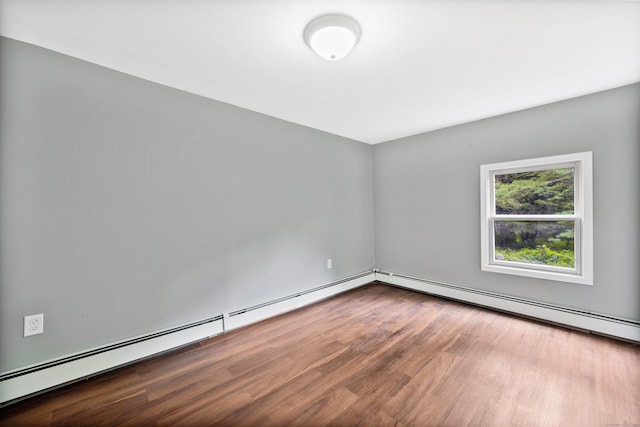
419,66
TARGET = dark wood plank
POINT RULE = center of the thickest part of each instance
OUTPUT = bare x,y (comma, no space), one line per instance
374,356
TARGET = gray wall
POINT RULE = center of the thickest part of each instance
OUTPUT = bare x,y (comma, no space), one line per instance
128,207
427,203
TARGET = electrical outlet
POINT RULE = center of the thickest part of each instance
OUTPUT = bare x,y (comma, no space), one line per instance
329,263
33,325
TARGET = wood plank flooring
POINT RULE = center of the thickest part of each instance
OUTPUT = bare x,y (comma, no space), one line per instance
375,356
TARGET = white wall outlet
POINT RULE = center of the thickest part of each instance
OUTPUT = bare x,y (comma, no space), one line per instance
329,263
33,325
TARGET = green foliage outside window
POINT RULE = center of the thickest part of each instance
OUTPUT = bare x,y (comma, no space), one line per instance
545,192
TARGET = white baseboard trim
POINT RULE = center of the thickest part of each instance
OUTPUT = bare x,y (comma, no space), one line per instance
247,316
593,322
30,380
37,378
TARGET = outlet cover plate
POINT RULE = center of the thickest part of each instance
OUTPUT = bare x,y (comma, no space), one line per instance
33,325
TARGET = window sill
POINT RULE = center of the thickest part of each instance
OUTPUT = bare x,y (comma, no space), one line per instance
540,274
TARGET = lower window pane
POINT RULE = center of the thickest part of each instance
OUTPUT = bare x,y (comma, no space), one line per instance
535,242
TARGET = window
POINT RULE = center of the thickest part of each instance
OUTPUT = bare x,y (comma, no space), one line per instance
537,218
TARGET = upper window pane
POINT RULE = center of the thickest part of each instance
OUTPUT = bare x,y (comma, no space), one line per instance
542,192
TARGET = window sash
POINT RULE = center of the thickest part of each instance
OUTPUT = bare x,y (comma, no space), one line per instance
577,182
535,217
577,244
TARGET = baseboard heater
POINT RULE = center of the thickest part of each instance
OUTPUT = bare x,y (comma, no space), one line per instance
246,316
28,381
31,380
105,349
625,329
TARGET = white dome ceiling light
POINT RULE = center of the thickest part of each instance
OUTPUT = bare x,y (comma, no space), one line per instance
332,36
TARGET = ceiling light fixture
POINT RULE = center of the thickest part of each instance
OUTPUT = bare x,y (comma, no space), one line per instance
332,36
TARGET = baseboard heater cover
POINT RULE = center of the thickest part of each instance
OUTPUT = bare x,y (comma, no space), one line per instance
246,316
625,329
33,379
24,382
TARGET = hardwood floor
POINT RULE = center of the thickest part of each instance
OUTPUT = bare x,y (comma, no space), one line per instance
374,356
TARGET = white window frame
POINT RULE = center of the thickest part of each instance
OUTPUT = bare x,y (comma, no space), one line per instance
582,273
